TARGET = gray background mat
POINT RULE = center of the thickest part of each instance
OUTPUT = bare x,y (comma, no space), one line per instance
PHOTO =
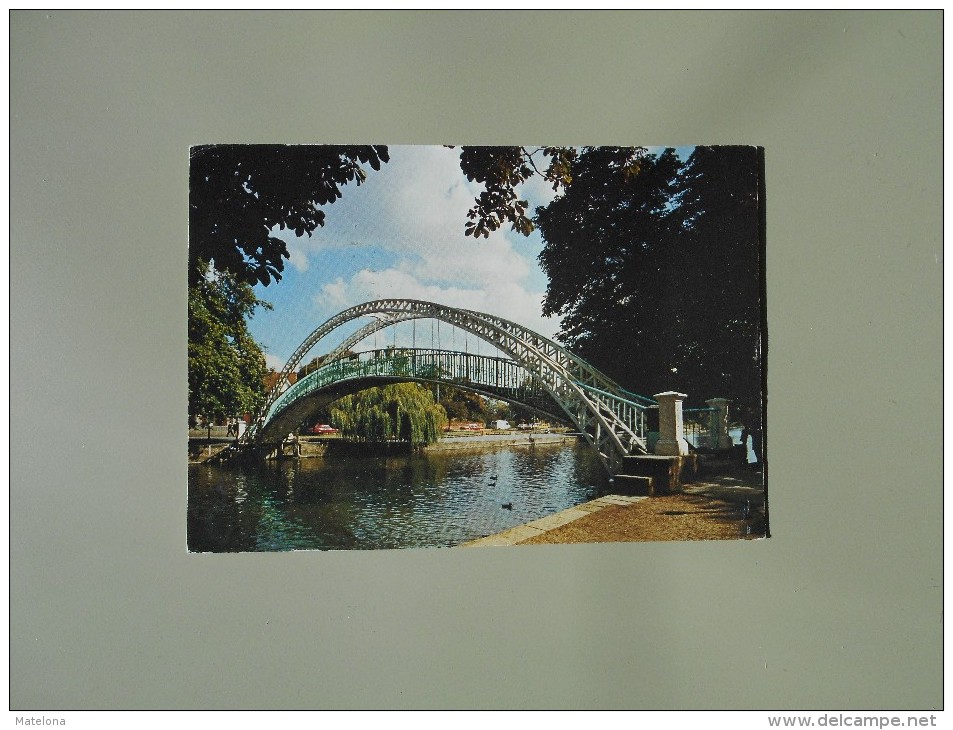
841,608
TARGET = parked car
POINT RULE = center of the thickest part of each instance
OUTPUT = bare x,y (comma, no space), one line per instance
323,429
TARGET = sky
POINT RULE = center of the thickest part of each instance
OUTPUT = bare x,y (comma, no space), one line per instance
401,234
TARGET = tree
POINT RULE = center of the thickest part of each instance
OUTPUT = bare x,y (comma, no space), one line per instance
651,262
501,170
462,405
238,195
720,221
654,268
400,412
226,366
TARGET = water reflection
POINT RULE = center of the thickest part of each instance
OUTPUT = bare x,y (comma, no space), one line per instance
432,500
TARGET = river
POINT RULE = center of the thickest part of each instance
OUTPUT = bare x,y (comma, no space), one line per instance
433,499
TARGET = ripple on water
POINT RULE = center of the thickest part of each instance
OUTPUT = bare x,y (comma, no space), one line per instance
434,499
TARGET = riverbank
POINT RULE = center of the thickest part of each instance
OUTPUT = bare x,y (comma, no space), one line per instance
728,505
492,440
201,448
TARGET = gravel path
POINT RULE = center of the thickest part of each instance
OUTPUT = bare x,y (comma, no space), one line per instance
729,506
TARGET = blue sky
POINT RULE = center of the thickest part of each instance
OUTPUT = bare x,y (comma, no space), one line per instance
400,234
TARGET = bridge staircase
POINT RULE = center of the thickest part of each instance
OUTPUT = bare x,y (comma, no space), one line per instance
653,475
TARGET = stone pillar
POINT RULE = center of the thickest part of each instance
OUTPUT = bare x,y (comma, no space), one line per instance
671,440
720,438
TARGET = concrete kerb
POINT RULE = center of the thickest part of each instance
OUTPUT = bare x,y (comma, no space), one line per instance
518,534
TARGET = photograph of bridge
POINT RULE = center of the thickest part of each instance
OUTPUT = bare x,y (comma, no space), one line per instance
435,346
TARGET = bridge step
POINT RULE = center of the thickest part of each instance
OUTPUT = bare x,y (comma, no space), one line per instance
668,473
633,486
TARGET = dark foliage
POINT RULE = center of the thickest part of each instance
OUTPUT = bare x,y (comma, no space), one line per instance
654,264
500,170
238,194
654,267
226,365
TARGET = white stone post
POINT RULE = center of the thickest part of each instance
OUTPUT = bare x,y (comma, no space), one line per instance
671,440
720,438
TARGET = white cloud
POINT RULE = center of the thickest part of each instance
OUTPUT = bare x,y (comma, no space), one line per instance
274,362
298,257
505,299
401,234
333,294
416,204
484,263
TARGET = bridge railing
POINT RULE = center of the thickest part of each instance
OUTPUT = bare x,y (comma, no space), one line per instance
629,411
336,370
562,374
699,426
451,367
502,375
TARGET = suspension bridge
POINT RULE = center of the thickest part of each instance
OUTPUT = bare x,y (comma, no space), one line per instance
526,369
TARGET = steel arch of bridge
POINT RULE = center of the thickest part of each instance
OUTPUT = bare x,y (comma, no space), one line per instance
611,419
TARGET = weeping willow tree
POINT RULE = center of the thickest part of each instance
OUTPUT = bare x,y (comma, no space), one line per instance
400,412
